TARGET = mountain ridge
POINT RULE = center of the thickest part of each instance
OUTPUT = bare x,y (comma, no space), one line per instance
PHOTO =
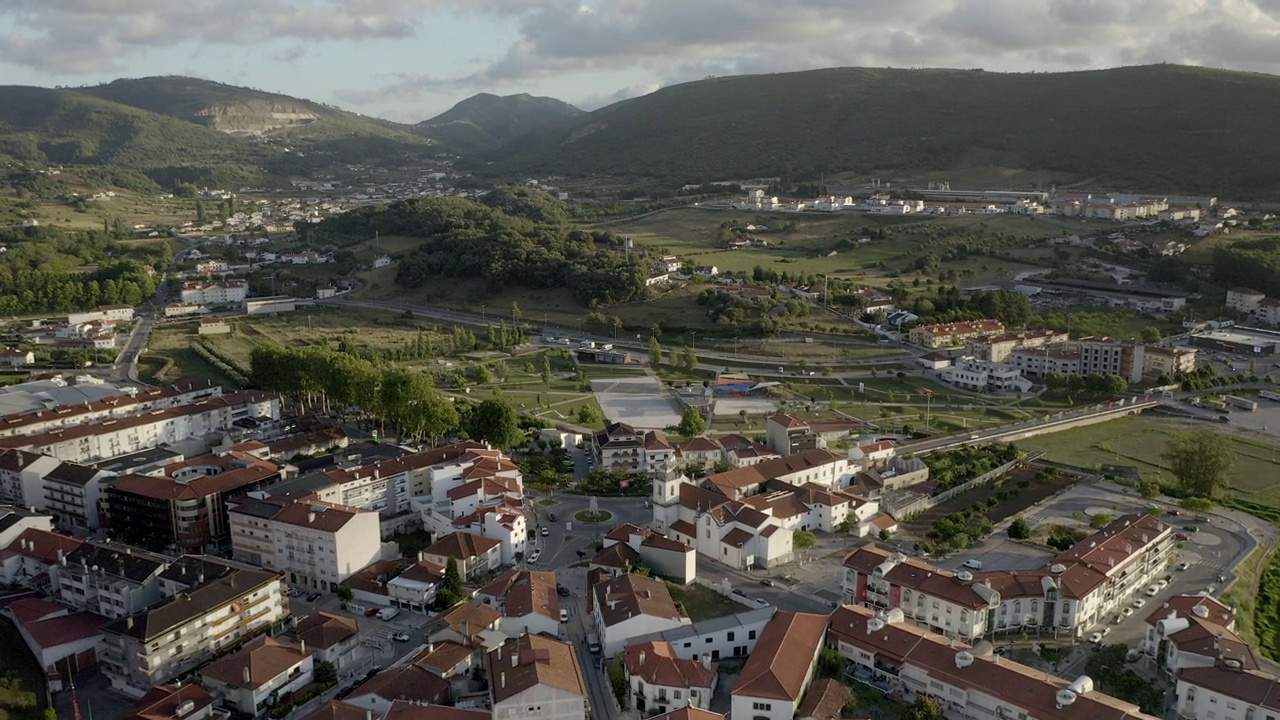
485,121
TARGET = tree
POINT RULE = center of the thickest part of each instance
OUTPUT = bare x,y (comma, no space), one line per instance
589,415
345,593
1099,521
1149,489
1019,529
924,708
830,663
803,540
546,369
515,313
1201,461
692,423
1151,334
655,352
325,674
451,589
495,422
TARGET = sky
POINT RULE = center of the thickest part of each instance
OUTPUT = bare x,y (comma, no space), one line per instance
409,60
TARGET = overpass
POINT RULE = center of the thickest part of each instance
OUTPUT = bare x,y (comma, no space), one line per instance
1065,420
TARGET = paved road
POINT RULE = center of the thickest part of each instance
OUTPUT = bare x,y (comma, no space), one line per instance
994,434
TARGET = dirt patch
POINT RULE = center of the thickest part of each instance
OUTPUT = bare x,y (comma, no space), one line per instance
1037,490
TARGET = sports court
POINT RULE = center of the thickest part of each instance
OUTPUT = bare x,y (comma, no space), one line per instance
639,402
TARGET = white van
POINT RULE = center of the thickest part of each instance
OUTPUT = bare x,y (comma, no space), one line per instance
973,564
388,613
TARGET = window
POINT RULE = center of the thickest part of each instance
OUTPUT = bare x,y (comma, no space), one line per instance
709,640
730,636
751,635
762,706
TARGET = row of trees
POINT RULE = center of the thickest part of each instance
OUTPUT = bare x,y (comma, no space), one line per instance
34,291
342,384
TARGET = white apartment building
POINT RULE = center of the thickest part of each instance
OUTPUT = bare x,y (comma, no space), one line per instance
911,660
22,477
110,579
723,637
982,376
121,436
658,680
67,414
416,588
527,600
475,554
1227,691
779,670
222,292
534,677
17,519
948,603
152,647
1244,300
73,495
630,606
316,545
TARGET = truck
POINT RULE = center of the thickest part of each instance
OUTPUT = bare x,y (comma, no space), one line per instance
593,643
1269,395
1243,403
387,613
1217,405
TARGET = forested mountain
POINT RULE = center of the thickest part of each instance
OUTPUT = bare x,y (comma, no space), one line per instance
485,122
1161,127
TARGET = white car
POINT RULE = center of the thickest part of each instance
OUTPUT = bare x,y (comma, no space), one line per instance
1138,603
545,531
1106,631
1127,612
1095,638
564,614
1152,591
400,637
1183,565
1162,584
533,557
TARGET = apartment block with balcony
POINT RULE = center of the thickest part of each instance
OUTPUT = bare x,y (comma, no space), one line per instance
252,680
71,495
1226,690
658,680
949,603
110,579
620,447
317,545
152,647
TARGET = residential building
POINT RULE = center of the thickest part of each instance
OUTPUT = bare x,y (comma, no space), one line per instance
526,599
983,376
1195,631
221,292
908,661
317,545
947,335
416,588
504,523
155,645
81,408
658,680
33,559
629,606
331,638
722,637
1037,362
250,680
471,625
779,670
949,603
176,702
534,677
1227,691
699,453
406,683
110,579
667,558
997,348
15,520
1107,356
475,554
620,447
727,531
1168,361
1244,300
10,357
73,494
186,506
787,434
121,436
22,476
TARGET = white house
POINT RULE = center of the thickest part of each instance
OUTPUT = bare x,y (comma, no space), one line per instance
475,554
319,545
331,638
527,600
534,677
416,588
251,679
658,680
779,670
629,606
504,523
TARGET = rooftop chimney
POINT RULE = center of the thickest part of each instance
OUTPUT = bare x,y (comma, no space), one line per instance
302,647
503,682
706,660
642,657
515,660
246,674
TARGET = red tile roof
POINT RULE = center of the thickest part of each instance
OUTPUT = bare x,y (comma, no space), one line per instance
656,663
780,663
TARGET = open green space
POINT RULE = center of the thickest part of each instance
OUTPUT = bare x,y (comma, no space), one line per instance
702,603
1140,440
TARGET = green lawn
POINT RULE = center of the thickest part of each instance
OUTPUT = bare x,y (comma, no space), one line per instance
1140,440
702,603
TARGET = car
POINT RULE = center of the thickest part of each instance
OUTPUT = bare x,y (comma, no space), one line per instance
1000,650
313,597
344,692
562,591
551,517
1138,603
1203,518
1181,536
1190,528
370,612
372,672
1183,565
1152,591
1119,618
564,614
1106,631
1211,589
1174,512
1162,585
1222,578
1095,638
400,637
1127,612
1167,579
545,531
533,557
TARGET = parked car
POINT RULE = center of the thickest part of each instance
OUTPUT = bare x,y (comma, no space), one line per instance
313,597
1119,618
1190,528
537,553
562,591
545,531
564,614
1152,591
1181,536
1095,638
1138,603
400,637
1127,612
1183,565
1106,631
1162,585
1175,512
370,612
595,661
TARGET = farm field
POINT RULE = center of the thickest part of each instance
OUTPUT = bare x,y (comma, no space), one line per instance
1140,440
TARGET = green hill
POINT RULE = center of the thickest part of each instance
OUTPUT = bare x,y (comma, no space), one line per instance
485,122
43,126
1163,127
280,119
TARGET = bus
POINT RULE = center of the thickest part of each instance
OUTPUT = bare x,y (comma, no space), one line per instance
1269,395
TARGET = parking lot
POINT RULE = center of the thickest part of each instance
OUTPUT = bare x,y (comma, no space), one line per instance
640,402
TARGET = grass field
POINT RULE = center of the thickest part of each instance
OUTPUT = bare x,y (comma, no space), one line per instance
702,603
1140,440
